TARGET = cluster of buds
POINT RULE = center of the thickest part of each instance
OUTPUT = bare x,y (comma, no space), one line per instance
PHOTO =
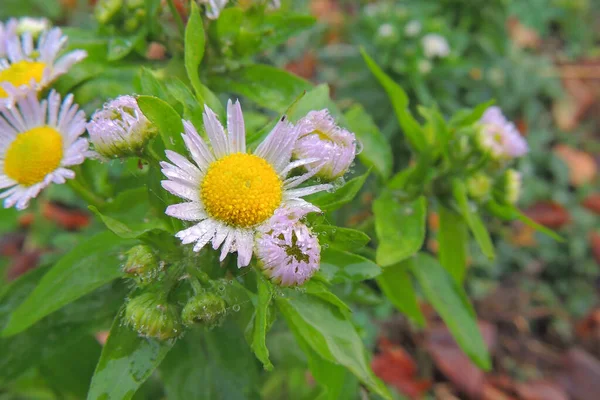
128,15
498,141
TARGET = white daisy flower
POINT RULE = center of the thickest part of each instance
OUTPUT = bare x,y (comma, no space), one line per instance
231,192
39,140
435,45
27,67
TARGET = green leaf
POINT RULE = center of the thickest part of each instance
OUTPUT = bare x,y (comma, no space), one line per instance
166,120
194,49
315,99
275,93
469,117
88,266
318,289
509,213
395,282
278,27
121,47
341,266
333,337
376,152
482,237
192,108
399,101
341,238
150,85
214,364
451,302
332,201
259,332
453,241
400,228
127,360
129,231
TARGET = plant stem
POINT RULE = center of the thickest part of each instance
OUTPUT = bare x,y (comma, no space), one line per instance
86,194
177,17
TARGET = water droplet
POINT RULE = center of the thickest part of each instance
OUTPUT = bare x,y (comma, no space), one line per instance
221,288
236,307
359,147
408,211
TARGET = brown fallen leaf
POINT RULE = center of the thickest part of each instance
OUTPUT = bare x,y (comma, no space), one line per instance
66,217
592,203
398,369
522,235
454,363
22,263
580,375
490,392
582,166
156,51
540,390
11,244
521,35
305,67
549,214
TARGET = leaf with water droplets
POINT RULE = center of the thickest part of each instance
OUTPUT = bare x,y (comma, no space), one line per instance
126,362
91,264
343,195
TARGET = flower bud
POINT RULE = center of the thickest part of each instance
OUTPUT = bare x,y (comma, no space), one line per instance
479,186
154,317
120,129
106,10
288,252
141,262
34,26
206,308
435,45
332,147
508,188
500,137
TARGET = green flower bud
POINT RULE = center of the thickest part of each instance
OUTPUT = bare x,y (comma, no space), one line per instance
153,317
206,308
141,263
106,10
508,187
479,186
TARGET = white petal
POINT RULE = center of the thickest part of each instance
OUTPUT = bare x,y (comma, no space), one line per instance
244,244
187,211
215,133
181,189
236,128
301,192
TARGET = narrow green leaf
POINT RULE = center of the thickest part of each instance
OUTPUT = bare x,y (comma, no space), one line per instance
453,305
395,282
275,93
333,337
509,213
126,362
194,49
469,117
400,228
376,152
314,99
318,289
88,266
341,238
332,201
482,237
166,120
129,231
150,85
399,100
340,266
259,333
191,107
453,241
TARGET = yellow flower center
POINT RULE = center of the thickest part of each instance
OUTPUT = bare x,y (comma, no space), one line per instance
21,73
33,155
241,189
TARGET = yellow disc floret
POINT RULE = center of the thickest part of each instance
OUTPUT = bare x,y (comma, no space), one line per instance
33,155
241,190
21,73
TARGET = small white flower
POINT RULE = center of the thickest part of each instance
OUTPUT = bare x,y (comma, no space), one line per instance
7,29
412,28
232,193
499,136
35,26
435,45
120,129
424,66
287,251
332,147
27,68
38,142
385,30
214,7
